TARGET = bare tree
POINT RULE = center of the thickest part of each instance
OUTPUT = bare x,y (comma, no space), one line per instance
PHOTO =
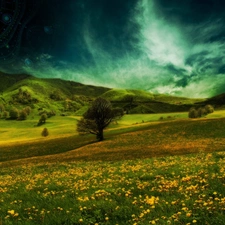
97,118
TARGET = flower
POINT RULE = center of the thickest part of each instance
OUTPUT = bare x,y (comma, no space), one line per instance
12,212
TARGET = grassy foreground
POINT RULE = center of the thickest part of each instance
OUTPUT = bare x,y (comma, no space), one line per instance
169,190
119,181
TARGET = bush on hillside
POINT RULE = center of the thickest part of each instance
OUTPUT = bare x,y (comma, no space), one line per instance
209,109
202,111
56,95
48,113
27,110
23,97
2,108
42,120
14,113
45,132
22,115
5,114
192,113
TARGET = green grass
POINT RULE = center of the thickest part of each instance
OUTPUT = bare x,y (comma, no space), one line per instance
143,118
22,139
12,130
141,174
168,190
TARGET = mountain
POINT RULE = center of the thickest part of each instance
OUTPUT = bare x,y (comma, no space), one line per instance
71,97
52,94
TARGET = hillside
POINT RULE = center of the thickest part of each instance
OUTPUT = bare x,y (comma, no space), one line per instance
218,100
51,94
71,97
138,101
8,80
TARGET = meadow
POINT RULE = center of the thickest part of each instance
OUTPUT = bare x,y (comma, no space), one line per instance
166,190
147,171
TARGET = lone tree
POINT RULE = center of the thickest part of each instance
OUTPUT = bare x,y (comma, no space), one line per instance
97,118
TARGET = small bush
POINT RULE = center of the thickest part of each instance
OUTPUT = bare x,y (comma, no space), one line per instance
14,113
42,120
22,115
192,113
209,109
5,114
2,108
45,132
27,110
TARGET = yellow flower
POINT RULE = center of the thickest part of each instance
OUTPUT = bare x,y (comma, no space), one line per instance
107,218
80,220
12,212
194,221
188,214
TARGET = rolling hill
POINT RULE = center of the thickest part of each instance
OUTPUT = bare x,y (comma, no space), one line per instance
72,97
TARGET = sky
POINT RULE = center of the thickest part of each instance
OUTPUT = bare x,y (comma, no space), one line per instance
172,47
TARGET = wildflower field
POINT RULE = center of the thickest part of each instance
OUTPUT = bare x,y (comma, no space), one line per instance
170,172
187,189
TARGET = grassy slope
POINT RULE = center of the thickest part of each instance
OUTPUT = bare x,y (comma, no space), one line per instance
143,102
115,181
146,102
142,96
167,190
8,80
123,140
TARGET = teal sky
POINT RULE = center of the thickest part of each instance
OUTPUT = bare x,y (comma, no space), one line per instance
172,47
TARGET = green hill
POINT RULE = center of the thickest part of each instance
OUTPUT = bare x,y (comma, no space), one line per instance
138,101
71,97
51,94
217,101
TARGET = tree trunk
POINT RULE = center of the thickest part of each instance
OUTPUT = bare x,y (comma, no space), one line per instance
100,136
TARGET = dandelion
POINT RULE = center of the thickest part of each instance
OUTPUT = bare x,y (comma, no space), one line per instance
11,212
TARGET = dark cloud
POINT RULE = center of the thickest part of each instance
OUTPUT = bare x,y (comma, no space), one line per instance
163,46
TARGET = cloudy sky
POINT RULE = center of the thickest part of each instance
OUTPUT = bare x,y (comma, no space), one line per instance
173,47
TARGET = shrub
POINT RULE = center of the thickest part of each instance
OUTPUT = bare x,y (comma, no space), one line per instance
27,110
5,114
42,120
2,108
209,109
14,113
201,112
192,113
45,132
23,115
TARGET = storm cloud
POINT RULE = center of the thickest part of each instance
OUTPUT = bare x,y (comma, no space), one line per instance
173,47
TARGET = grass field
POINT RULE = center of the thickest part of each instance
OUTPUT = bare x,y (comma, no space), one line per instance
167,190
147,171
